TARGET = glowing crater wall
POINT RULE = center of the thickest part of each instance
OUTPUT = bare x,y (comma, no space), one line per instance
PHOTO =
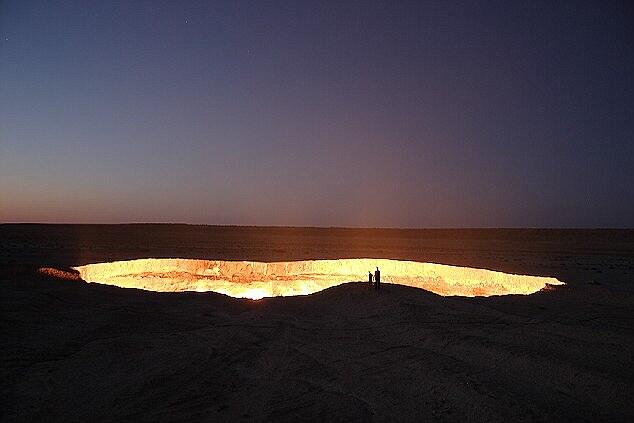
248,279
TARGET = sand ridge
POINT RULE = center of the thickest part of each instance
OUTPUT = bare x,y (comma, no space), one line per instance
76,351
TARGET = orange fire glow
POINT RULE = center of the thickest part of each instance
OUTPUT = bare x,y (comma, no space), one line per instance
255,280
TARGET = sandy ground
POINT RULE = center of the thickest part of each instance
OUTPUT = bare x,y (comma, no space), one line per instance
75,352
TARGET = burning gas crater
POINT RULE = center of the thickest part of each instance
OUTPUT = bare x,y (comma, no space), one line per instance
255,280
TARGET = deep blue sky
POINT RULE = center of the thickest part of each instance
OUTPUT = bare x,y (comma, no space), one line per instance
342,113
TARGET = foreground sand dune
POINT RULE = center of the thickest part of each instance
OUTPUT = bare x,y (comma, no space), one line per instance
75,351
90,352
256,279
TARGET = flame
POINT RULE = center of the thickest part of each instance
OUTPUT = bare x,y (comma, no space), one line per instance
256,280
255,294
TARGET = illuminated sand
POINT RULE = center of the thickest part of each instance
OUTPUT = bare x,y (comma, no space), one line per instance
257,280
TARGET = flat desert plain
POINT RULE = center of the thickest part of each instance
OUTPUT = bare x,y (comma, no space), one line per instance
76,351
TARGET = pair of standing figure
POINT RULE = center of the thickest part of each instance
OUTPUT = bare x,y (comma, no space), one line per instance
376,281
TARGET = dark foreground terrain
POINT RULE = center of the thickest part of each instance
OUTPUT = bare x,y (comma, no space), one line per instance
85,352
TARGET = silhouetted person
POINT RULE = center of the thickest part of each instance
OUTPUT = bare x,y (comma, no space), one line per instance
370,279
377,278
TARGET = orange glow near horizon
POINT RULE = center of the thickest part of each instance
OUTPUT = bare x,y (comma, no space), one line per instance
256,280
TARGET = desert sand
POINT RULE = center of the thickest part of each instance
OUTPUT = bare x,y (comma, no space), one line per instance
75,351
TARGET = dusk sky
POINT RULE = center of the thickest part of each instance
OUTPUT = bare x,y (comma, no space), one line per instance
341,113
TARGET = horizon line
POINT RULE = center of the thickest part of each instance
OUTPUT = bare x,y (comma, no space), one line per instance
325,227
